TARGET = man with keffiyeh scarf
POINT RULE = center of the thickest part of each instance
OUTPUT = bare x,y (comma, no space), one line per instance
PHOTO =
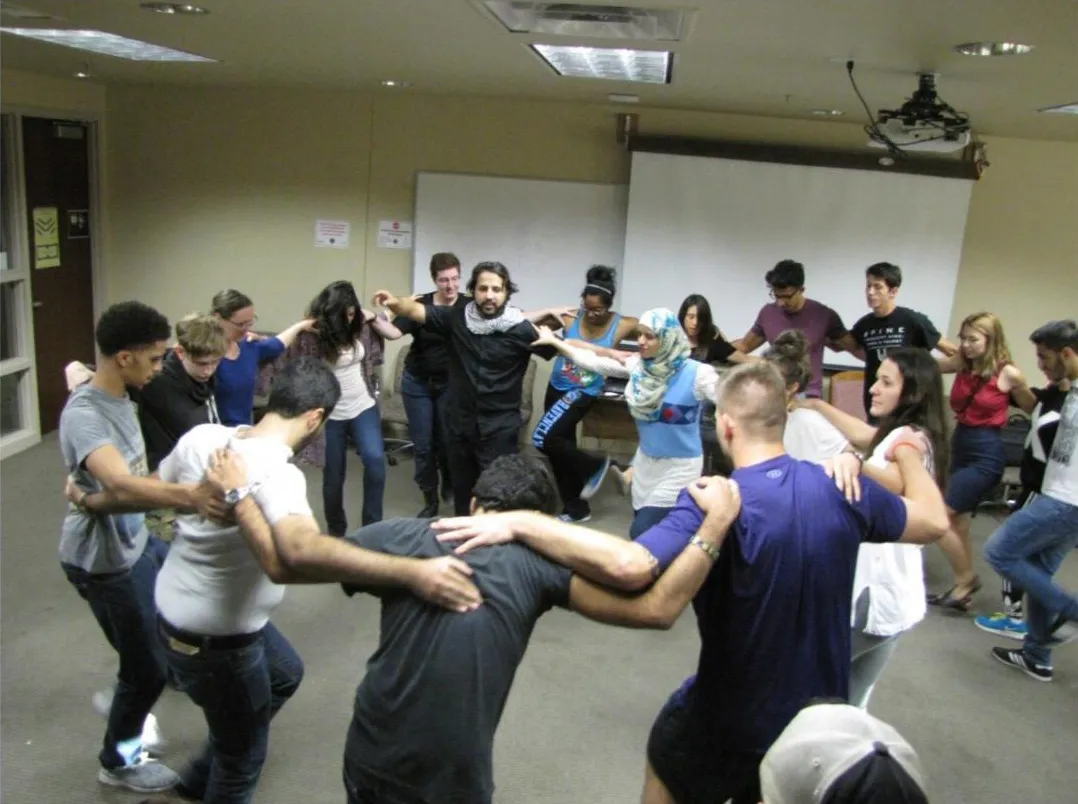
489,350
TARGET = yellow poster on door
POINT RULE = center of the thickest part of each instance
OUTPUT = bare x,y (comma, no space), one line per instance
46,237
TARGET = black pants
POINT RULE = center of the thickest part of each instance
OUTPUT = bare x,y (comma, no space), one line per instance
555,437
472,449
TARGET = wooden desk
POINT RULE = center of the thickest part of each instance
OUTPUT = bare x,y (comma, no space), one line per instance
609,420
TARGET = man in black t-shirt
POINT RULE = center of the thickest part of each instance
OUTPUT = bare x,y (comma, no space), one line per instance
889,326
428,707
490,346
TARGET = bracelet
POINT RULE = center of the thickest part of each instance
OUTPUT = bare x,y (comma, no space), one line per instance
711,550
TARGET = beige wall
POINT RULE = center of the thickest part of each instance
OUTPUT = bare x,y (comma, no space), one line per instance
208,188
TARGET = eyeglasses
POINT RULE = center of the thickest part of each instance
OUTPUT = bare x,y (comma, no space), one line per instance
243,324
784,296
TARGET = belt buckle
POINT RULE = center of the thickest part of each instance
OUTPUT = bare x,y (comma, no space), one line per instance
182,647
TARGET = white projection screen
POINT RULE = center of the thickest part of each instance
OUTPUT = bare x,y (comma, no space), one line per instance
546,232
716,226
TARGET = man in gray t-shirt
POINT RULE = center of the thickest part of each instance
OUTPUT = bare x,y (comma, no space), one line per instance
105,550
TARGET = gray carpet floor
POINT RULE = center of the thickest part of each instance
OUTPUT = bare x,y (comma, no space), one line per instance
578,717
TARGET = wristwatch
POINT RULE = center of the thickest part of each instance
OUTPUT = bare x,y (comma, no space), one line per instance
233,496
711,550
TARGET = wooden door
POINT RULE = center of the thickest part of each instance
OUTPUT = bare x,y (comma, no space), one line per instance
57,165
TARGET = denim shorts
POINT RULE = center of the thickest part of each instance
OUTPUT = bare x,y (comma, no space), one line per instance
977,462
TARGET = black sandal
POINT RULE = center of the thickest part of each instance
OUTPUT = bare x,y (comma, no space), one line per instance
960,604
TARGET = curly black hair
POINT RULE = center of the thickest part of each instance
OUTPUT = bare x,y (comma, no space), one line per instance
130,325
516,483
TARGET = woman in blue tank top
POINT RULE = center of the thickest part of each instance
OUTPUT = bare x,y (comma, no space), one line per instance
572,391
665,393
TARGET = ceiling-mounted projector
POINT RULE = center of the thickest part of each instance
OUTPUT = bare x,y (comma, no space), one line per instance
923,123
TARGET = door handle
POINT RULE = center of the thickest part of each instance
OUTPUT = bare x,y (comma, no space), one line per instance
35,305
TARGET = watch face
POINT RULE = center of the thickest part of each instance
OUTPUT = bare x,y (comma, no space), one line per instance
232,496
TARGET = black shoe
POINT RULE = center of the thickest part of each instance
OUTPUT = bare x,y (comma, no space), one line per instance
1018,660
429,510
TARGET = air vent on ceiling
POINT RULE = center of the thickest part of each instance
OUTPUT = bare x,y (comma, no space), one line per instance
589,20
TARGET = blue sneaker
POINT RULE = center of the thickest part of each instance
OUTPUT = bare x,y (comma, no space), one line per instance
1002,625
595,481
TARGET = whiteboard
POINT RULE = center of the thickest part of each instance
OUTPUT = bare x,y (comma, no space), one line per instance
547,233
716,226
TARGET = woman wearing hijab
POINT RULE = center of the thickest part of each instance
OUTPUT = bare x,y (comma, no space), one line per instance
665,392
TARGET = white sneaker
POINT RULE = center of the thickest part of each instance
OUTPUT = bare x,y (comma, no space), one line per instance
595,481
144,775
153,743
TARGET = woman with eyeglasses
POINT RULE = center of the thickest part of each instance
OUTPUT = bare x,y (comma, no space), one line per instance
237,373
573,390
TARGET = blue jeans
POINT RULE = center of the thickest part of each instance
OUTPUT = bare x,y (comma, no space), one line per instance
366,431
239,692
426,407
1027,550
644,518
122,603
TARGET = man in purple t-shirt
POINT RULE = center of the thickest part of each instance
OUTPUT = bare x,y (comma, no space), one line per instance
793,310
774,612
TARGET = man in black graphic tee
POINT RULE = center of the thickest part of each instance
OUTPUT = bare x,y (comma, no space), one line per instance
889,326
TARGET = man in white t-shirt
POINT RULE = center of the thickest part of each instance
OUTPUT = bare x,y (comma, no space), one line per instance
1028,549
218,588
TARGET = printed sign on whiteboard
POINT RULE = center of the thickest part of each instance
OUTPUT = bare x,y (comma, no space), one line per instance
394,234
331,234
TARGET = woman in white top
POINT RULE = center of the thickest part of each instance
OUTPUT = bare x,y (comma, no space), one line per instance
808,435
664,394
339,322
888,587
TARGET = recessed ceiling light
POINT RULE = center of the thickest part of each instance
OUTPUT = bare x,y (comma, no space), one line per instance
827,112
618,64
175,8
590,21
992,49
106,44
394,84
617,97
1066,108
83,71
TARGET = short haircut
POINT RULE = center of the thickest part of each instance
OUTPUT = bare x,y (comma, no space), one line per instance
516,483
227,302
786,274
497,269
130,326
201,336
789,353
1057,336
443,261
303,385
754,396
890,273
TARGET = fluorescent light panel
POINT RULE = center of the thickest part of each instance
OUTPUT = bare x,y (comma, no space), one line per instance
1066,108
588,20
106,44
643,66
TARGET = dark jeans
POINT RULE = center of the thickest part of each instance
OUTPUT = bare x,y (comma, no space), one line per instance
471,452
644,518
122,603
239,692
555,437
977,463
692,767
425,406
366,432
363,788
